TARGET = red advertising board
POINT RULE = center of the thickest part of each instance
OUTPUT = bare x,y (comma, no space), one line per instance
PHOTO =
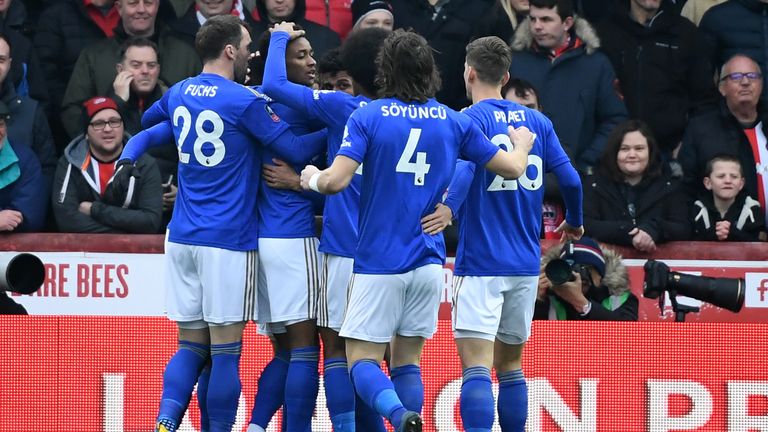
105,374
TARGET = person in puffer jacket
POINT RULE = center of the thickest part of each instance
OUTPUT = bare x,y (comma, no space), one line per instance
85,169
603,296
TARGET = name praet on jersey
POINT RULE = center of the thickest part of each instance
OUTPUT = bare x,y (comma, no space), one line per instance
201,90
509,116
414,112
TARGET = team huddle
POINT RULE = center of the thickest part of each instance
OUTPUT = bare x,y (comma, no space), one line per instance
240,247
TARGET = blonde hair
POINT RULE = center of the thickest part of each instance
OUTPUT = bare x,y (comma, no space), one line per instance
511,14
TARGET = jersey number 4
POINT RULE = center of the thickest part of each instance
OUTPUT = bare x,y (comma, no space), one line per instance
182,115
420,168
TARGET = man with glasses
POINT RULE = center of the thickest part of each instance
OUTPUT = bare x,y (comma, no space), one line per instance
737,127
85,169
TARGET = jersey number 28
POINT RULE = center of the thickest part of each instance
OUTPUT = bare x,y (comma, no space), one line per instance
182,114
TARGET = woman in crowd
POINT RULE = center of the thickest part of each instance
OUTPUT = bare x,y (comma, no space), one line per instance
630,201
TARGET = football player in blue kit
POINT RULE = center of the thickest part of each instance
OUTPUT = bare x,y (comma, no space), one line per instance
497,259
408,144
211,245
340,216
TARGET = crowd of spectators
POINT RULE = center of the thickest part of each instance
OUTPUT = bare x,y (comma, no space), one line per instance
659,103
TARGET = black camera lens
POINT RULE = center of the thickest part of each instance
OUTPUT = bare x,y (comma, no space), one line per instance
558,271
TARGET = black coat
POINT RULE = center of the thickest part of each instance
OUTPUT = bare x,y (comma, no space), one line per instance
715,132
745,215
322,38
18,30
663,69
738,27
448,33
659,205
63,31
186,26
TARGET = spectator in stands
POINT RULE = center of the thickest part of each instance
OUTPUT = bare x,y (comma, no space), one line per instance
63,30
27,124
662,67
737,27
135,89
522,92
334,14
726,213
372,13
600,292
95,72
187,25
694,10
630,201
27,71
136,86
274,11
331,74
23,198
512,13
737,127
557,52
448,26
84,170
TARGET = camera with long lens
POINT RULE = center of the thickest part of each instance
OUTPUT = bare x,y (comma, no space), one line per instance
726,293
22,273
560,271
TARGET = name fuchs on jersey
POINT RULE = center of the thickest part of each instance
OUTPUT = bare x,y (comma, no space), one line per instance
201,90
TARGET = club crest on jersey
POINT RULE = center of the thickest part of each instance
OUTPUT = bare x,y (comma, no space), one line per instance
275,118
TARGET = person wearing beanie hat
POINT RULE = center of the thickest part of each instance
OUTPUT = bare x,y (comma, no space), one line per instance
372,13
599,289
84,171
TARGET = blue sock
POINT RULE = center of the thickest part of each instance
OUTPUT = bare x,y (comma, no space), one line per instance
224,386
271,391
202,396
339,394
513,401
366,418
409,387
301,387
179,380
377,390
476,401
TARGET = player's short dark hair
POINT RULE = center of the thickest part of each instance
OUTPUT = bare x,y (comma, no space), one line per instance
259,62
358,55
610,167
564,7
331,63
722,157
407,69
216,33
521,88
490,57
138,42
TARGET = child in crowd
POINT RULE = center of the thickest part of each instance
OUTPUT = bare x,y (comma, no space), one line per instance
727,213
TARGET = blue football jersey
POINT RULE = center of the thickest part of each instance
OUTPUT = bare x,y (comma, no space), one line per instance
501,219
285,213
332,108
216,123
408,152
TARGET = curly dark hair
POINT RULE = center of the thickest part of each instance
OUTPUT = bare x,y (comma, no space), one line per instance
259,62
407,69
359,53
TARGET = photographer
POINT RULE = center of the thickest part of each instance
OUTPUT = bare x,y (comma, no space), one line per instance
598,290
